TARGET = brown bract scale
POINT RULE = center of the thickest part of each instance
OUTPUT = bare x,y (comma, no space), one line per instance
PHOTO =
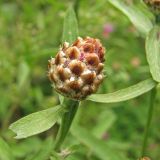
77,69
154,5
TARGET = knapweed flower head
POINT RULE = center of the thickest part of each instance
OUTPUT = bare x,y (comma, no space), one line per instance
77,69
154,5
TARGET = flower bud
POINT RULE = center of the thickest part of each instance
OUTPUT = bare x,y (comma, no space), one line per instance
77,69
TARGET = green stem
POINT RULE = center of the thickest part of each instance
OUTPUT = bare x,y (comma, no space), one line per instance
67,119
149,119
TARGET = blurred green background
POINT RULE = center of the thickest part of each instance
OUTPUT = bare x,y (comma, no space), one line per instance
30,33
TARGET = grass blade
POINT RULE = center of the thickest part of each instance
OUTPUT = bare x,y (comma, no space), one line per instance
5,151
45,151
98,147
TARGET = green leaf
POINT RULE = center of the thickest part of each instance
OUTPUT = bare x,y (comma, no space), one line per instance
98,147
45,151
136,16
105,121
36,122
23,148
70,27
122,145
124,94
153,52
5,151
23,74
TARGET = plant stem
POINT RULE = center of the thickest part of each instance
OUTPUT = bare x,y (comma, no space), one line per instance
149,119
67,119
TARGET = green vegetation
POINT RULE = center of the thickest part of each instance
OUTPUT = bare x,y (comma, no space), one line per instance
31,32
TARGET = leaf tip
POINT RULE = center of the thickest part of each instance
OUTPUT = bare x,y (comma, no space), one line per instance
18,136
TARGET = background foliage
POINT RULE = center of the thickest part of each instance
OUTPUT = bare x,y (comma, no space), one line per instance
30,32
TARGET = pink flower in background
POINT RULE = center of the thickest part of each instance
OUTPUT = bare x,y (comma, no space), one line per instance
107,29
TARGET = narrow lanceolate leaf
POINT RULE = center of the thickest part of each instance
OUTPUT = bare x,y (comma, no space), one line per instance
124,94
153,52
36,122
136,16
70,27
5,151
97,146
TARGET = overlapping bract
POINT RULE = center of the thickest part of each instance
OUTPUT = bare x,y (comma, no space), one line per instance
76,71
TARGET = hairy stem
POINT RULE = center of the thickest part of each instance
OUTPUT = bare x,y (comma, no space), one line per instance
149,119
71,107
